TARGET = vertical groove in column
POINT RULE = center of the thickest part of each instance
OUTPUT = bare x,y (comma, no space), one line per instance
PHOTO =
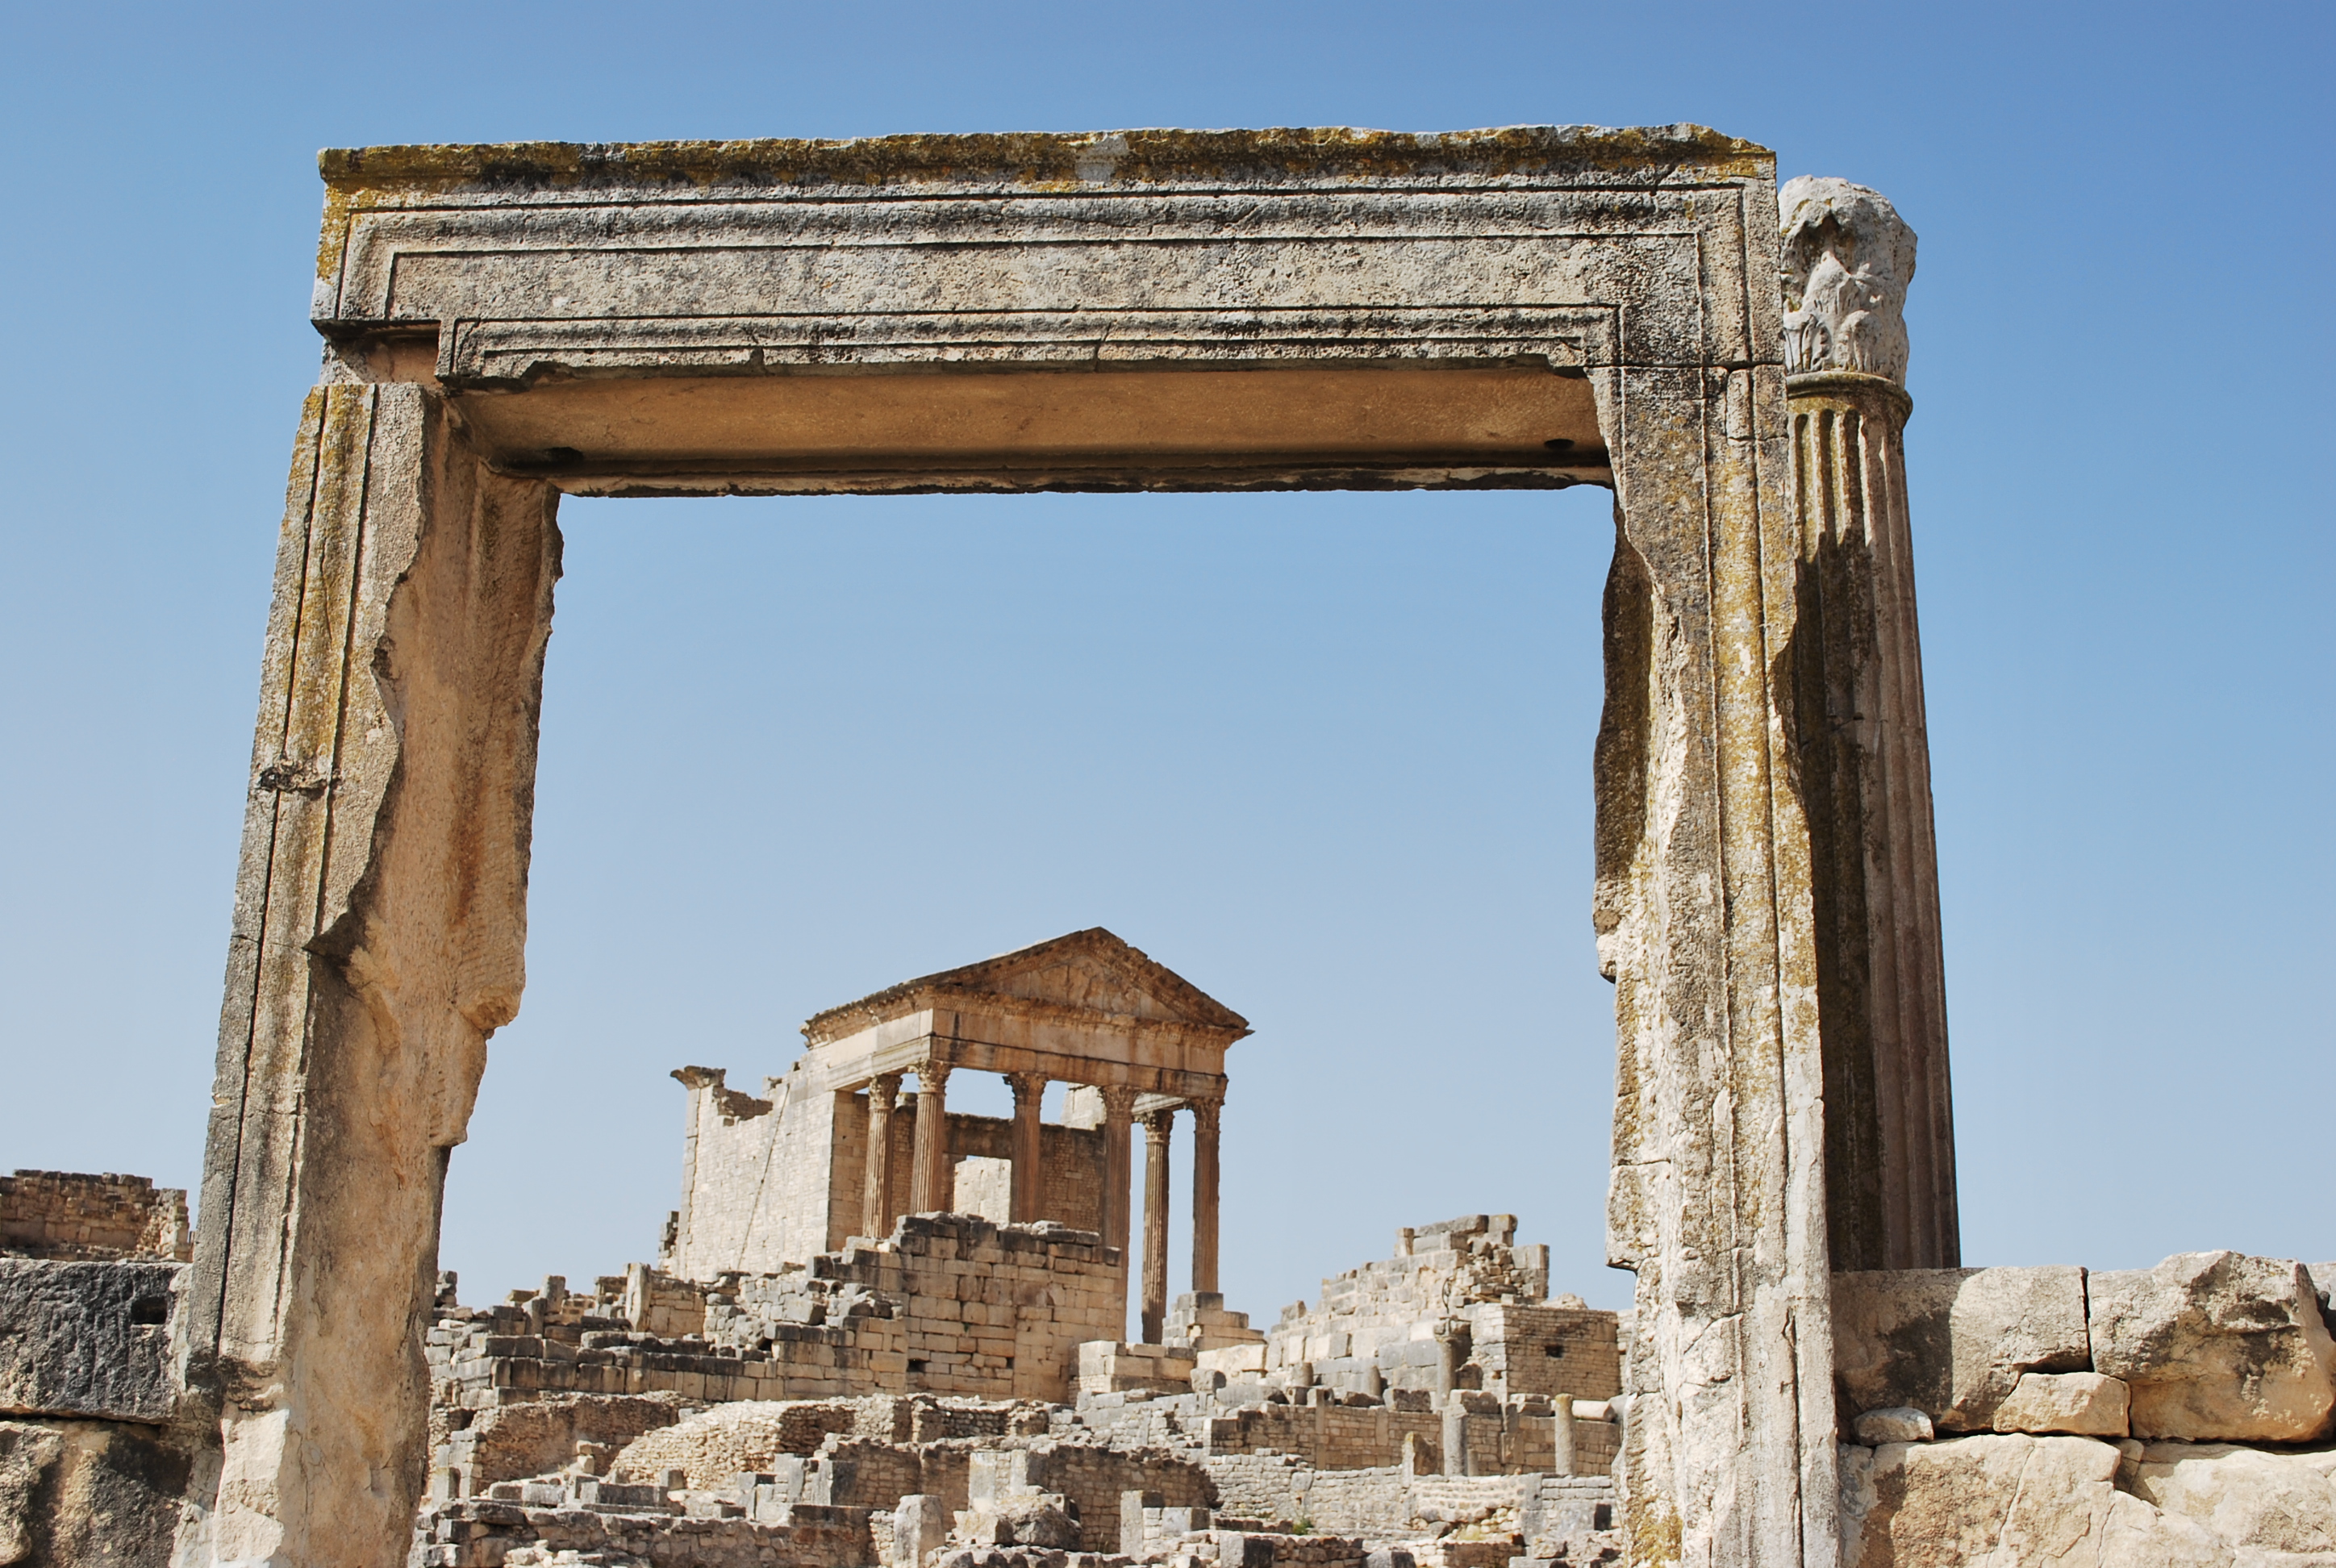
1865,782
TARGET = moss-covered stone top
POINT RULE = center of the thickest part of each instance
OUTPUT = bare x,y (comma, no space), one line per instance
1049,157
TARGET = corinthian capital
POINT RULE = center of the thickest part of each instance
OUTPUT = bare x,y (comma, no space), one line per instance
1848,258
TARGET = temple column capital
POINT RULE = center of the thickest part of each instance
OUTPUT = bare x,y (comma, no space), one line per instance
1846,260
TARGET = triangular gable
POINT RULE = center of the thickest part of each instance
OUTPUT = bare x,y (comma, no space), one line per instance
1091,970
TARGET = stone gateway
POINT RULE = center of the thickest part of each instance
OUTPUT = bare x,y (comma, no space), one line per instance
1528,308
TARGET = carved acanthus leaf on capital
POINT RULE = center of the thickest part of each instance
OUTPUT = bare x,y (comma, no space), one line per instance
933,1077
1205,1114
1118,1103
1847,259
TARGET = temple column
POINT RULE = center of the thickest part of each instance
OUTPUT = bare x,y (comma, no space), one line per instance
1157,1127
1205,1114
931,1183
1029,1191
876,1213
1863,750
1118,1112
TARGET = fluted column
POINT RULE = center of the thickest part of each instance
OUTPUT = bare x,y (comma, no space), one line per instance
1118,1112
1865,752
1157,1127
930,1180
876,1212
1205,1114
1028,1198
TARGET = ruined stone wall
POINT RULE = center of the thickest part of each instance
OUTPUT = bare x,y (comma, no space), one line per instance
949,1304
1072,1158
1545,1349
1333,1437
755,1174
513,1442
778,1179
70,1215
1384,1313
485,1533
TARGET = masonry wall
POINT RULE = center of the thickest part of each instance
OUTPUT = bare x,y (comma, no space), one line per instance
755,1187
1072,1158
1334,1437
74,1217
772,1181
1527,1349
947,1305
1374,1325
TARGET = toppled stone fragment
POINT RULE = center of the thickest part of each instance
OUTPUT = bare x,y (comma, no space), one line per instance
1897,1425
2217,1347
2081,1404
1952,1342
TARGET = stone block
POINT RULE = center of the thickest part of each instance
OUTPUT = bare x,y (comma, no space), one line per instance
2006,1502
1898,1424
1952,1342
2266,1506
921,1525
2217,1347
2081,1404
88,1339
1239,1549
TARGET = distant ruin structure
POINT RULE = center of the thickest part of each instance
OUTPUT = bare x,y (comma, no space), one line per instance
835,1147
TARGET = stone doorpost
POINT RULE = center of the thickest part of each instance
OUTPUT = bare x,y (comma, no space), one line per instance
876,1218
1205,1116
1865,752
1157,1124
931,1183
1028,1198
377,935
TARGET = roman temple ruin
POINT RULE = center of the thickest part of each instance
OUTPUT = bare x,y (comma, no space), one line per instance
881,1332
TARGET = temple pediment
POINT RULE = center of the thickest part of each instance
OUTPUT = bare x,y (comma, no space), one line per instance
1090,971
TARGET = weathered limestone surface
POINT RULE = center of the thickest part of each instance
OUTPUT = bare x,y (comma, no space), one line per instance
377,941
88,1492
1953,1342
88,1339
2017,1501
1864,745
2267,1507
2007,1502
2080,1404
26,1453
2217,1346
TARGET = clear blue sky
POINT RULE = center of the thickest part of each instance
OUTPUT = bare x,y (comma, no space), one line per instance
1326,755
